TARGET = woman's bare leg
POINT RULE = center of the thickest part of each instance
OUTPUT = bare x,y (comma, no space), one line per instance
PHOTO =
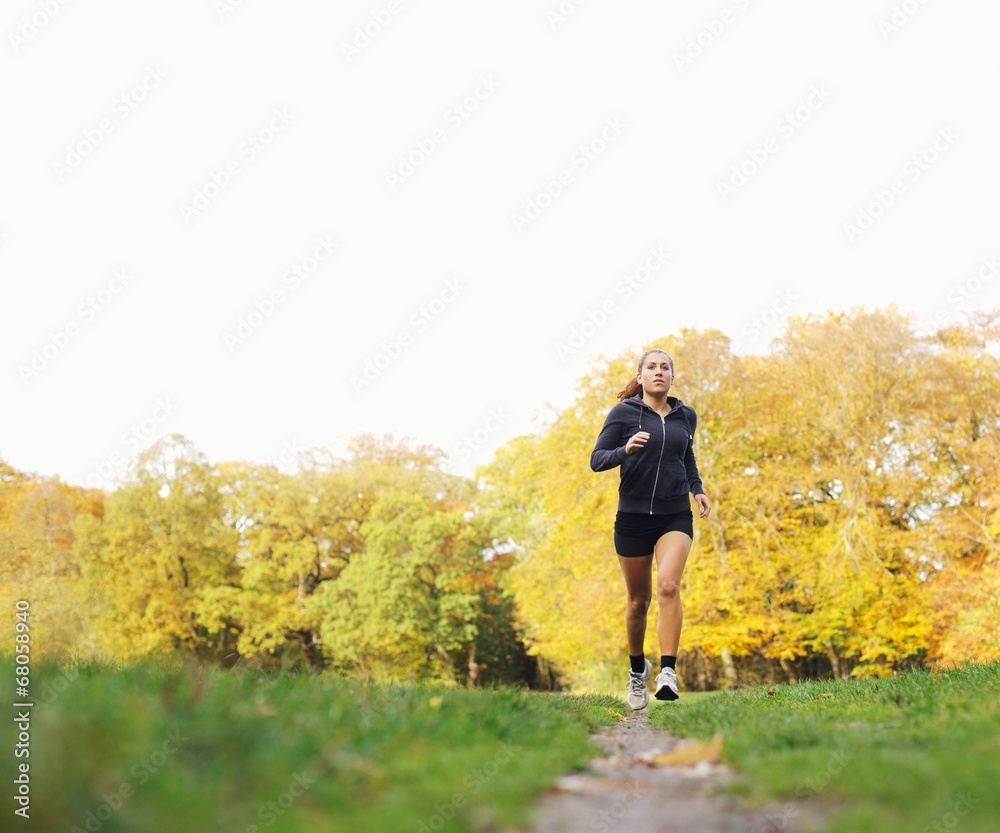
638,573
671,554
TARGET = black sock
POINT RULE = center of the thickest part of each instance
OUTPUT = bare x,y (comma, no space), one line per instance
668,662
638,663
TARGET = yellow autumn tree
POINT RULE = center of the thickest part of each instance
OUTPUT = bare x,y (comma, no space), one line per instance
853,472
37,564
855,548
964,569
151,567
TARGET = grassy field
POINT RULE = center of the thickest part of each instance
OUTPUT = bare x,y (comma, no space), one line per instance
918,753
152,750
146,750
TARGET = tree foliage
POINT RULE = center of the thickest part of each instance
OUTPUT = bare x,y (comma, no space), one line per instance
37,564
854,472
375,561
152,567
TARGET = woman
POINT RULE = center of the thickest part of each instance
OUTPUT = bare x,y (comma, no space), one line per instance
654,517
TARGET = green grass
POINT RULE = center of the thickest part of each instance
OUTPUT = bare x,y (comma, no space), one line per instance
918,753
150,750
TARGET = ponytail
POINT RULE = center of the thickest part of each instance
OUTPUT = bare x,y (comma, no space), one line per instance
631,389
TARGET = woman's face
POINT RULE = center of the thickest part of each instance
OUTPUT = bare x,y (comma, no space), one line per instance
656,375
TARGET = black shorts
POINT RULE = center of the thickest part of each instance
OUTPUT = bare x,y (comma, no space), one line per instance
636,533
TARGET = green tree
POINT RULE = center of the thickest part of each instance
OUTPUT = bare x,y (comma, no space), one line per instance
298,532
423,599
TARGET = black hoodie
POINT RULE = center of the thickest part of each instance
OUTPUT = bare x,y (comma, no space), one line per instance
657,478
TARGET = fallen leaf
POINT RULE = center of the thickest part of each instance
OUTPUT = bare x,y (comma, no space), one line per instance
690,753
619,715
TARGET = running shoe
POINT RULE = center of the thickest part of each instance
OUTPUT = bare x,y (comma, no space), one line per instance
666,685
638,691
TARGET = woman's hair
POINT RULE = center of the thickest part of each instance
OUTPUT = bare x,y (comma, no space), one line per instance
633,387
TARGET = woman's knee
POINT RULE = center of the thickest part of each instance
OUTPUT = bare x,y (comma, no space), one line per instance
667,589
638,603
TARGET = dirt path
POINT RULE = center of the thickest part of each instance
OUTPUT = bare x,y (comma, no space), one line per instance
627,791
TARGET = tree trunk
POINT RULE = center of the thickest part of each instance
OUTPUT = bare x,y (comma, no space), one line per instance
728,669
449,666
786,666
831,652
546,674
473,667
700,669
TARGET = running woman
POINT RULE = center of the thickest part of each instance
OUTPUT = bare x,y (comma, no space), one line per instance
654,519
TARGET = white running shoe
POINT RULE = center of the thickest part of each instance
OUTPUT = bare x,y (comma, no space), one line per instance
666,685
638,691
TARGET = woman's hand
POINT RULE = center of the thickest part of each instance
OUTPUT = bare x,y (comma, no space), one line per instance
636,442
704,506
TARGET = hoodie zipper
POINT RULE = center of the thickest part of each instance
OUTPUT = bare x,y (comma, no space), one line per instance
663,425
663,428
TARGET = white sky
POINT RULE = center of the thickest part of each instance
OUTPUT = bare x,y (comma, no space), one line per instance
662,138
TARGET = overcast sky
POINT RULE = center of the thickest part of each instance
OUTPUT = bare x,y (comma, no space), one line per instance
270,226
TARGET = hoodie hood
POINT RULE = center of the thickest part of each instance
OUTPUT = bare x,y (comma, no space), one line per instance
672,401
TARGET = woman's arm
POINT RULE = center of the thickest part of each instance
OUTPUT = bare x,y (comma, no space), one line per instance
694,478
609,451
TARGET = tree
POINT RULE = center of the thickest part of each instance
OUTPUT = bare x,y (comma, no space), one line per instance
422,599
853,471
154,566
963,571
299,531
37,564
